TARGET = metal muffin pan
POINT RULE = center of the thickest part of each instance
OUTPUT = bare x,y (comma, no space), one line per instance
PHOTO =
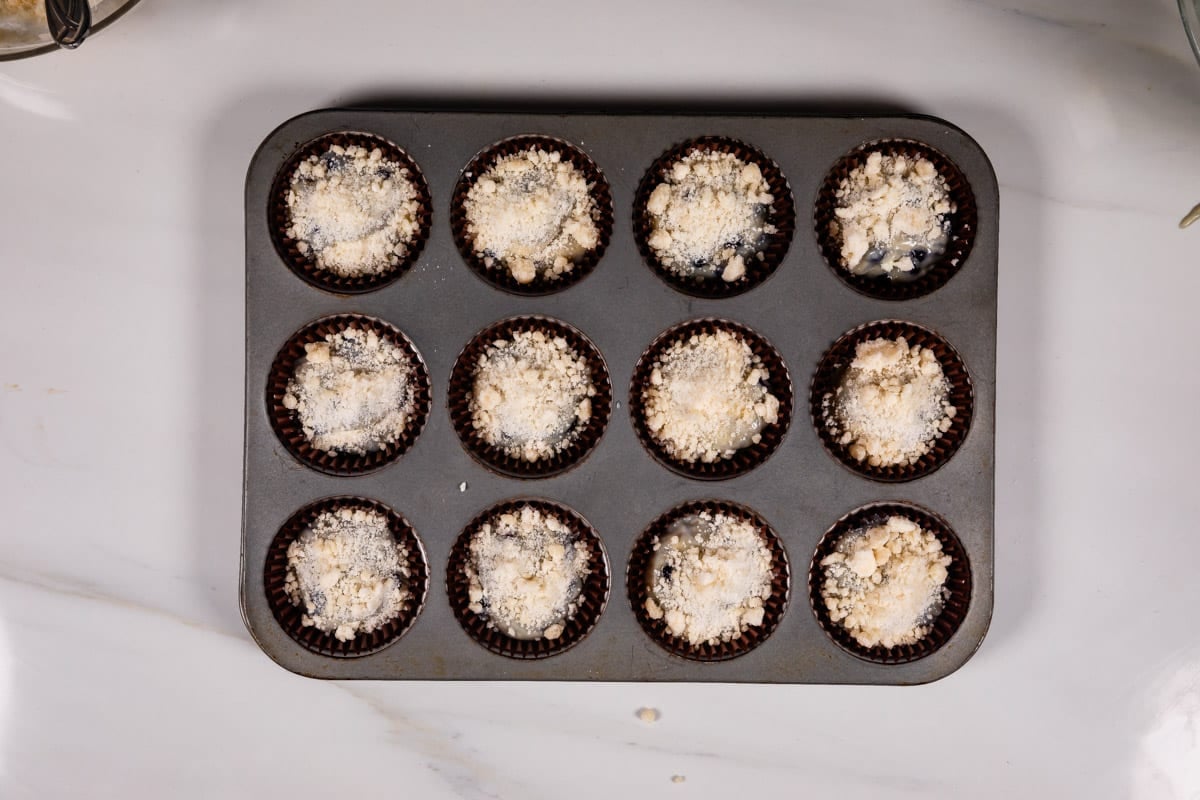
621,306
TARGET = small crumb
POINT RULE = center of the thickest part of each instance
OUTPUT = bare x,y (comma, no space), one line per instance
678,778
462,487
648,715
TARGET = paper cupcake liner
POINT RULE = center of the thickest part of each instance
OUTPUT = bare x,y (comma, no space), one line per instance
964,223
289,616
499,275
287,425
305,264
592,600
779,383
836,361
782,215
462,382
773,607
958,582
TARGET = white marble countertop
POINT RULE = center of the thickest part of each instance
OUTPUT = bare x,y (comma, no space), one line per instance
125,670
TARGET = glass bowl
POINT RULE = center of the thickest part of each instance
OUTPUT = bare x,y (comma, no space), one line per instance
25,33
1190,11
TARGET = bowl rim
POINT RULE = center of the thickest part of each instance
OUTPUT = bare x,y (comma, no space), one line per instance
1191,24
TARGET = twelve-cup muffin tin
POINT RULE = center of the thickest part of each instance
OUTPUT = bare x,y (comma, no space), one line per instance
801,308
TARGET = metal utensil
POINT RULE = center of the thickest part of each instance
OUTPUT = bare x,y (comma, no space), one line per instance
70,21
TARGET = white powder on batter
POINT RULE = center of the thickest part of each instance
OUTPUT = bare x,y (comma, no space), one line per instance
533,214
532,395
352,393
709,215
707,397
709,577
354,210
525,573
892,404
885,585
347,572
892,215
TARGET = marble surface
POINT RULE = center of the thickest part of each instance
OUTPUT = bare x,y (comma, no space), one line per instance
125,670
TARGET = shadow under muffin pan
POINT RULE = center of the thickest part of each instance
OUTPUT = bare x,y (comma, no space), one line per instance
440,304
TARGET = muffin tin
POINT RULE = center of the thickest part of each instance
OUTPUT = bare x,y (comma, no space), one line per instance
621,306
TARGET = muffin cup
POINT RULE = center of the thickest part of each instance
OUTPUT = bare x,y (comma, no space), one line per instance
462,383
592,599
836,361
287,424
958,582
499,275
782,215
305,264
964,223
637,585
289,616
745,459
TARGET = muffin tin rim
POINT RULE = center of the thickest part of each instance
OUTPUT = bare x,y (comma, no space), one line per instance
975,165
